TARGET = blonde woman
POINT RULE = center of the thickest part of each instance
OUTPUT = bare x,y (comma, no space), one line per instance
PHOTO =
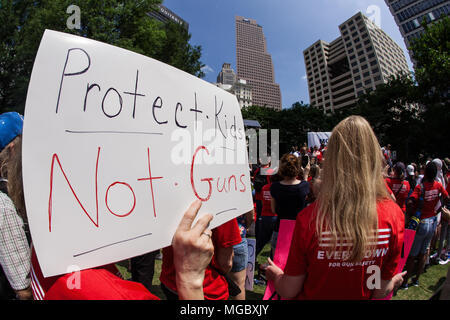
347,244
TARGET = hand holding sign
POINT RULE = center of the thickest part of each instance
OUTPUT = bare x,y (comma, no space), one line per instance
273,271
193,250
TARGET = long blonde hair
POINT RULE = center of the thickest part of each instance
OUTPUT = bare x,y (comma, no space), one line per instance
352,183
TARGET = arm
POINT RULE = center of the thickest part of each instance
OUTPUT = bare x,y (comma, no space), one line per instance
390,278
193,250
287,286
249,218
387,286
224,258
306,171
15,255
273,205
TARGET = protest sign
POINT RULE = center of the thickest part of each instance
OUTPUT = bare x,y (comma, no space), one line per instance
251,243
280,257
317,138
116,146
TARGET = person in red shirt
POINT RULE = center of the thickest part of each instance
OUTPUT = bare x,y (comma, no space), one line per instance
428,221
260,178
215,286
192,245
314,174
399,186
268,218
346,239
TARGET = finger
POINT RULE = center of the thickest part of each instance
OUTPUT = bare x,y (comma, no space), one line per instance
202,224
189,216
270,262
206,238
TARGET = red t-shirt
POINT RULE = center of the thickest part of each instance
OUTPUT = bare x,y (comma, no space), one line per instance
258,195
266,202
328,276
319,157
400,189
102,283
387,187
215,287
431,197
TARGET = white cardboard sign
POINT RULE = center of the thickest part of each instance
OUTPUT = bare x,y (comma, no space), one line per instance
116,146
250,274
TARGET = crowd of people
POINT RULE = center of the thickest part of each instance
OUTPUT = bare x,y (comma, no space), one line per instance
350,201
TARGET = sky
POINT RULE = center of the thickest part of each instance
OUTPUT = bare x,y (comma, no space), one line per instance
290,26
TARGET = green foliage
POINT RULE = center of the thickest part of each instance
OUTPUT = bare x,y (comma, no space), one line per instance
394,114
410,113
413,114
121,23
432,55
294,123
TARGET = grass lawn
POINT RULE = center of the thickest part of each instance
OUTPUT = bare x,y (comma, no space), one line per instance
429,281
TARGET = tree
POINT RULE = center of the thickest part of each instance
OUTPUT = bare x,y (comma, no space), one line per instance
121,23
432,55
431,52
412,113
294,123
394,114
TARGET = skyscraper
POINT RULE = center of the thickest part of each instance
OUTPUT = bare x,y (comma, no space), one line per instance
254,63
409,14
226,75
165,15
363,57
228,81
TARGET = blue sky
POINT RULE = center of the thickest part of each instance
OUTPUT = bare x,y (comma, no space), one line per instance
290,26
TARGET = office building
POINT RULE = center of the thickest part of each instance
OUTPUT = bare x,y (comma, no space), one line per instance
339,72
254,63
226,75
409,14
227,80
165,15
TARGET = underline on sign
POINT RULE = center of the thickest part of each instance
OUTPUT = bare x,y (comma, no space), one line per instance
225,211
228,148
111,244
117,132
